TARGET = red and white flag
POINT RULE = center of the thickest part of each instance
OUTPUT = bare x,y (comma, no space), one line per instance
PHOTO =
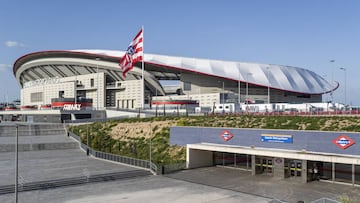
134,53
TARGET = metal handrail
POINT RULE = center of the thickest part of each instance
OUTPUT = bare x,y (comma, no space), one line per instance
146,164
48,184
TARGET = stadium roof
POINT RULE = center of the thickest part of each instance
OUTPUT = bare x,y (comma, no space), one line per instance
164,67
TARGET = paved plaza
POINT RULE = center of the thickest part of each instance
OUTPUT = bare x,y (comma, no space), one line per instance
213,184
145,189
288,190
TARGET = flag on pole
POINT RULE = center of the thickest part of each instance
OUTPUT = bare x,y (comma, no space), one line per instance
133,54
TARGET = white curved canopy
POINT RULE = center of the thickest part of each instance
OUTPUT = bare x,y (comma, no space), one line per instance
280,77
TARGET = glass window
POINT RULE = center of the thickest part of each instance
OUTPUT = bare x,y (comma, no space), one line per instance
36,97
61,94
187,86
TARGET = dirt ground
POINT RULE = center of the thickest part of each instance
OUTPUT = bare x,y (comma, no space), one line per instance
144,129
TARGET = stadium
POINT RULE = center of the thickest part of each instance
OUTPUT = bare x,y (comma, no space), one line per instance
92,79
78,84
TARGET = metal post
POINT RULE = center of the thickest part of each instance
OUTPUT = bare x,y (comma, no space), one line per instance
353,174
75,88
97,83
332,81
344,69
87,141
268,88
16,163
333,172
247,90
324,99
150,157
223,97
239,98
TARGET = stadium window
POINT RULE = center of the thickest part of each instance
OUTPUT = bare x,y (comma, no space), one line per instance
61,94
187,86
36,97
92,82
304,96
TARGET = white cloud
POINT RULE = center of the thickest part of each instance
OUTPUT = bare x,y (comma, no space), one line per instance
4,67
14,44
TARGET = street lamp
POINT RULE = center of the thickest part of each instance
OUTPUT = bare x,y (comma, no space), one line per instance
332,80
75,88
87,141
150,149
344,69
268,88
223,95
247,88
222,100
16,163
97,83
324,98
239,100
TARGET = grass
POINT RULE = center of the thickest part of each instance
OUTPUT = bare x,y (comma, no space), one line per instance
162,153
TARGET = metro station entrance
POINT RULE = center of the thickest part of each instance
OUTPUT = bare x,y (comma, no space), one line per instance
264,165
240,161
293,168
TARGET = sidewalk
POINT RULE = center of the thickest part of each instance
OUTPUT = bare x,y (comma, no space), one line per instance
288,190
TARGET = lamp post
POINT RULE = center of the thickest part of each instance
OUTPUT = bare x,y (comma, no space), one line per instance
332,80
344,69
75,89
239,100
222,100
324,90
268,88
16,163
97,83
87,141
223,95
150,149
247,88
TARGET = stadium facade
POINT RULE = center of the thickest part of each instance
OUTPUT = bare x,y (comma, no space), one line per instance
48,77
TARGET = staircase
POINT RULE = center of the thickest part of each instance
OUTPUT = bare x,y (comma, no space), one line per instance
49,158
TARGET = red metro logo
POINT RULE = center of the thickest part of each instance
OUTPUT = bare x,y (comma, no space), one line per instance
343,141
226,135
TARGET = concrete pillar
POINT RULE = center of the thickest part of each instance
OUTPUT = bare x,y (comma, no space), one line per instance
333,171
353,174
253,165
304,171
278,167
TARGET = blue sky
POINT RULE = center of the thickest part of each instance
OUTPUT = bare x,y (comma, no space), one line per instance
306,33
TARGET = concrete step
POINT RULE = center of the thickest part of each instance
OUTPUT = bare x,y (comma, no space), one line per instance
50,165
49,184
35,143
25,129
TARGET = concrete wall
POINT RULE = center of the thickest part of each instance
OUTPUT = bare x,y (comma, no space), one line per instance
278,165
198,158
67,85
131,97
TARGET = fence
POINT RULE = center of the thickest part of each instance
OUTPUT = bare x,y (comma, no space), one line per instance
116,158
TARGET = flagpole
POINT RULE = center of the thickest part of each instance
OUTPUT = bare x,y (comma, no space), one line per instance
142,73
